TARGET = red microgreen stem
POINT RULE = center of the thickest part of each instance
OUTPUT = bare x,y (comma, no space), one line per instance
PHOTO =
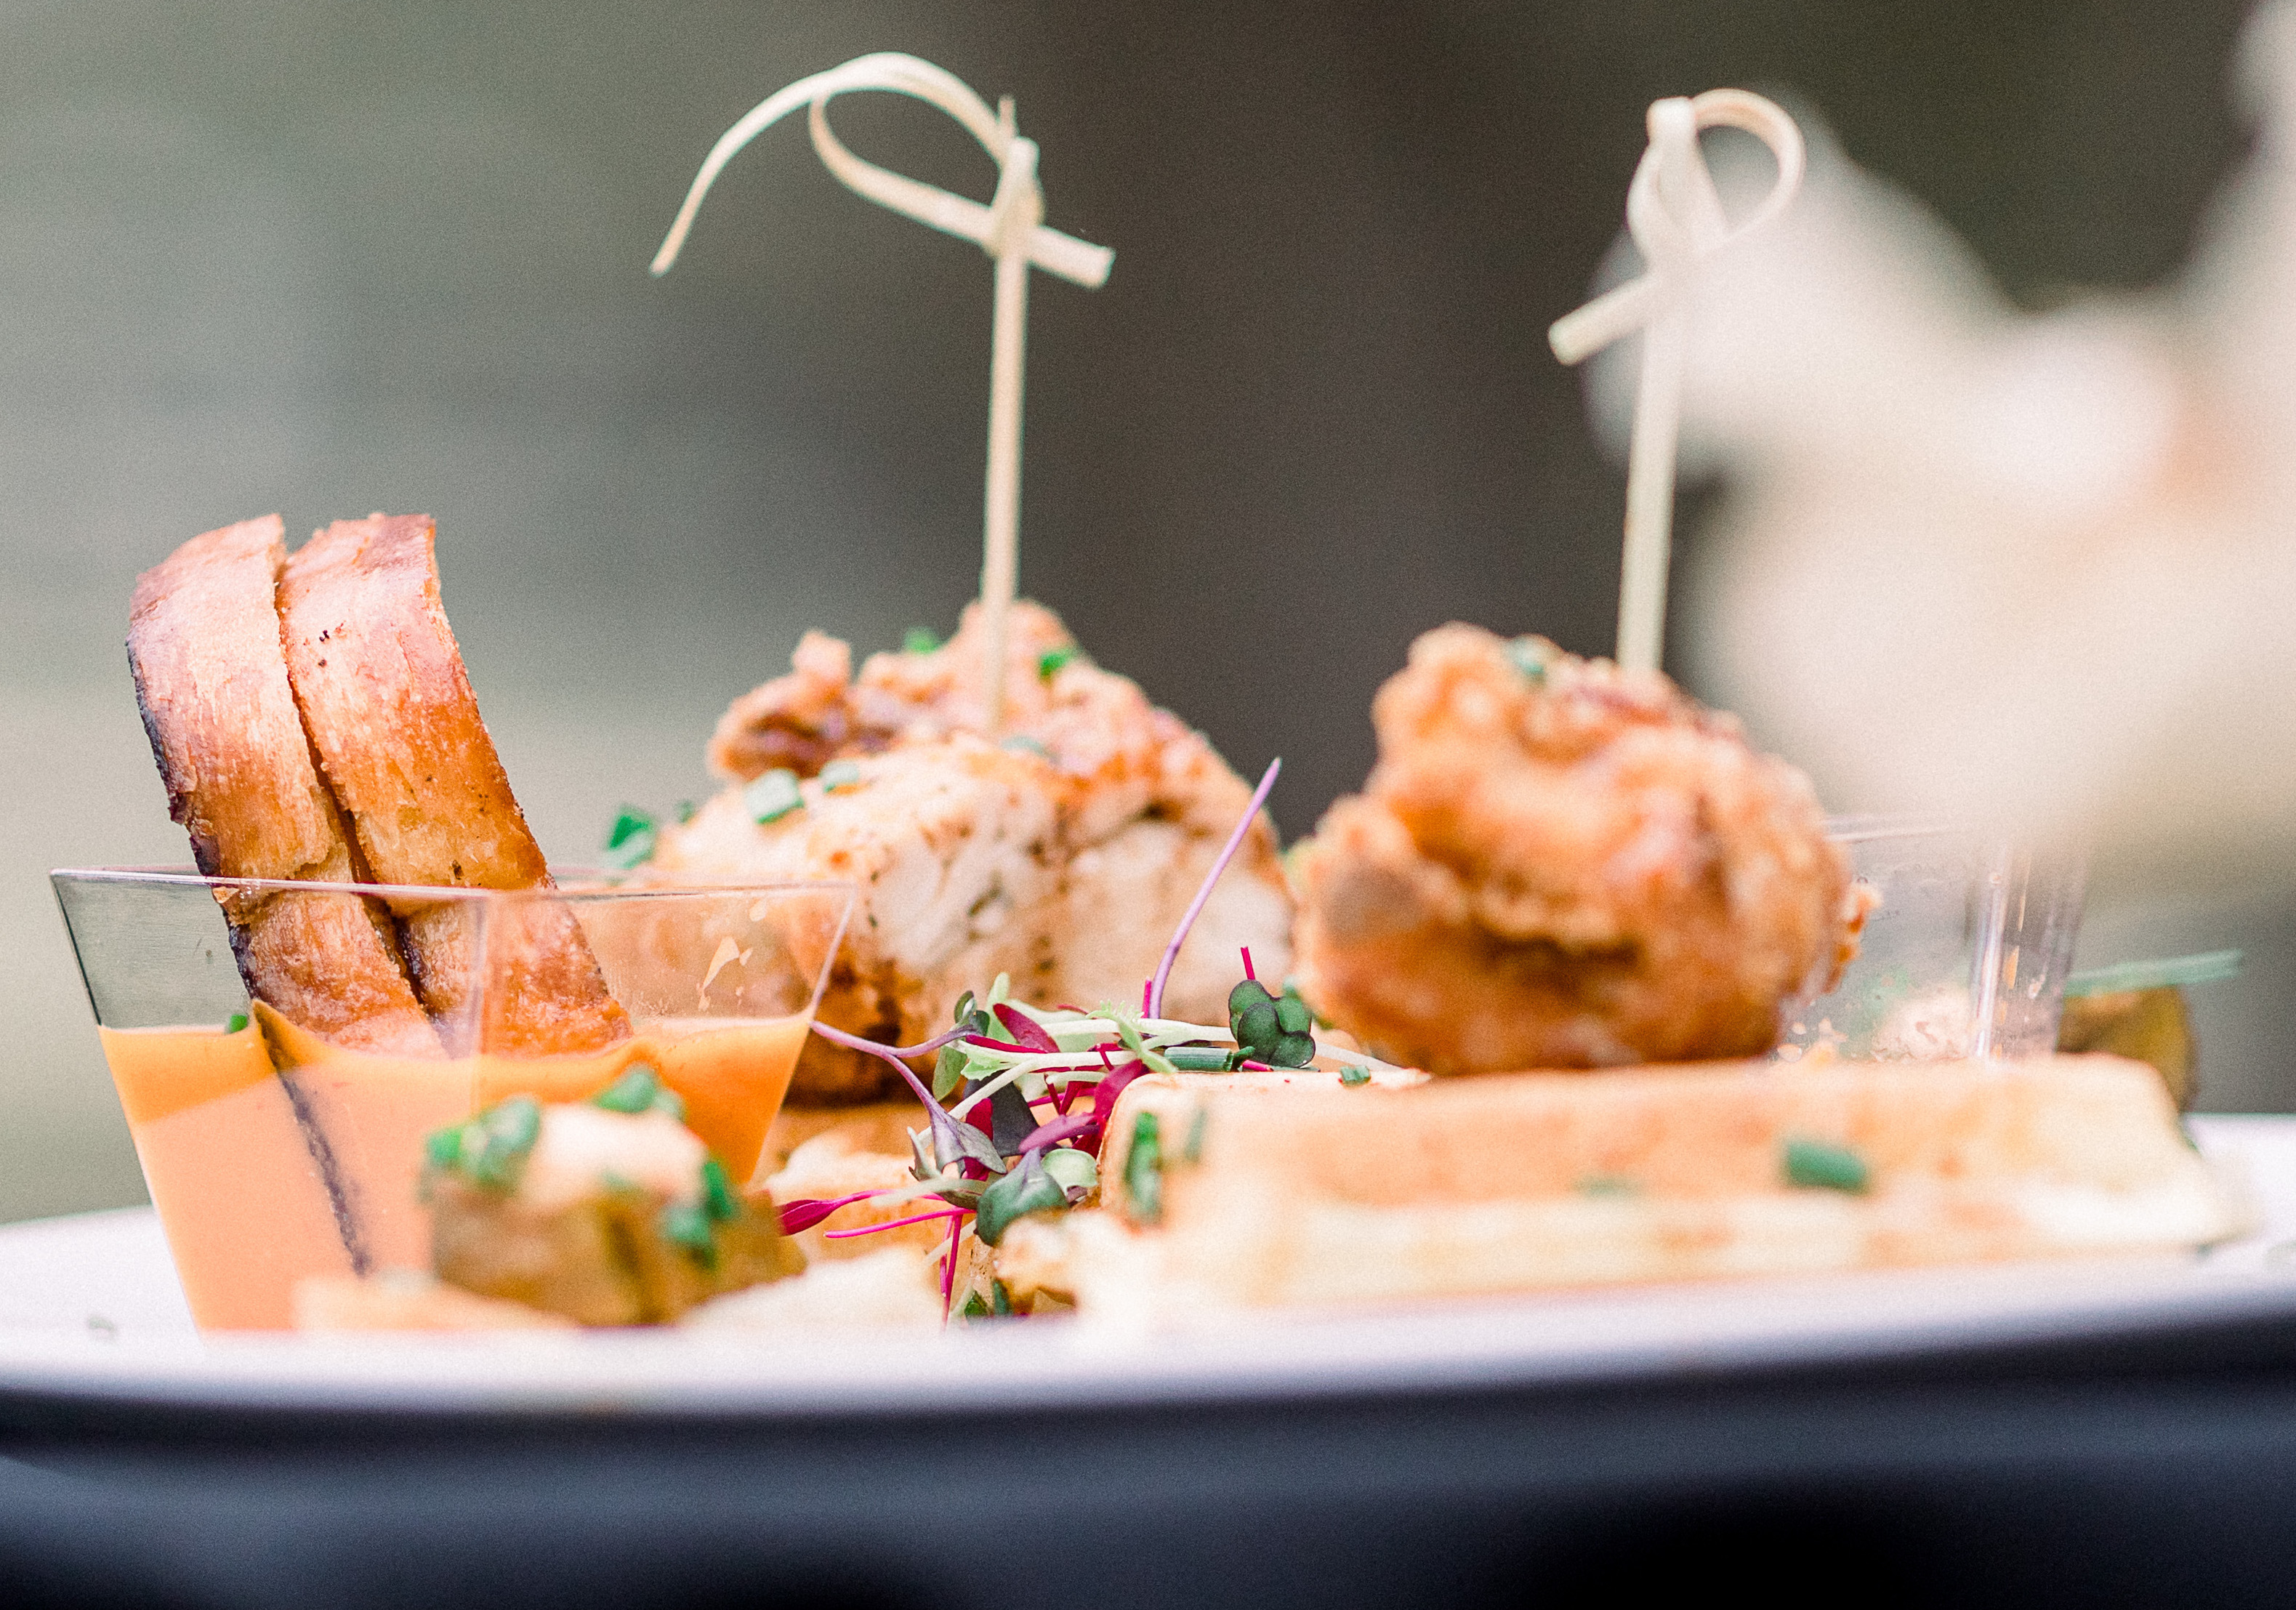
949,1269
1155,1001
805,1212
1063,1129
1247,972
1249,1066
872,1229
890,1054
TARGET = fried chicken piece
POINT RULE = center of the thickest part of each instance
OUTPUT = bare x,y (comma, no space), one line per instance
1064,855
1557,863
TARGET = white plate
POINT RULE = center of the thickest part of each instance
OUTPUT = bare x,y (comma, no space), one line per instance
89,1307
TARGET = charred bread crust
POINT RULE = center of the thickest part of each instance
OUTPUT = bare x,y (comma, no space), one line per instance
203,644
381,683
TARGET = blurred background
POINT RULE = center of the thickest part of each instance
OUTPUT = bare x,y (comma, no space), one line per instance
325,259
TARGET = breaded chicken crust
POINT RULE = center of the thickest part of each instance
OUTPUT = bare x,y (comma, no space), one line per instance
1062,855
1558,863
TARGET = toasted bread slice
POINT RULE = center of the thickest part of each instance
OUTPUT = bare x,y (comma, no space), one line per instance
1523,1181
389,710
210,674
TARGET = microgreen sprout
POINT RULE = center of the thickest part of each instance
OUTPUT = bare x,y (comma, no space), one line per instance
687,811
234,1023
1049,662
630,841
1276,1030
771,795
920,640
840,774
1531,656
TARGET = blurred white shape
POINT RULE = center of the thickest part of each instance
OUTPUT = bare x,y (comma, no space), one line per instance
2039,568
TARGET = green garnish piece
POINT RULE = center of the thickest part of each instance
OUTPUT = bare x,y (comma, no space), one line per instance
976,1307
1817,1165
1277,1032
633,1092
1191,1151
1050,661
1608,1185
771,795
1531,656
1144,1170
687,811
840,774
234,1023
1026,1189
490,1150
1355,1075
630,841
1203,1062
686,1225
717,1198
1021,743
920,640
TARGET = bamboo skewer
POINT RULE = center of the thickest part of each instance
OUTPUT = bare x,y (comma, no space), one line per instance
1010,229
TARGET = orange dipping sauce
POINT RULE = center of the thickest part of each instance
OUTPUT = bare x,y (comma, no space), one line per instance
273,1155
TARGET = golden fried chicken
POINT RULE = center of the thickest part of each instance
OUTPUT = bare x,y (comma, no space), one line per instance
1557,863
1063,855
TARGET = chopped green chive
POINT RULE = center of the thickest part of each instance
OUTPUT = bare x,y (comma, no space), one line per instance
772,796
234,1023
1531,656
920,640
976,1307
630,841
685,1224
1203,1062
1049,662
1608,1185
1815,1165
640,1090
839,774
1144,1170
717,1199
1191,1151
1355,1075
686,810
491,1149
633,1092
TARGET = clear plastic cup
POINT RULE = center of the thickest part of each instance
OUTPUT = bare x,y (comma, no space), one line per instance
274,1151
1964,954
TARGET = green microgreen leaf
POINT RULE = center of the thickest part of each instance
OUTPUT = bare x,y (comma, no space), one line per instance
686,1225
630,841
840,774
920,640
999,992
771,795
1608,1185
1074,1170
639,1089
976,1307
1143,1171
1003,1306
1817,1165
687,811
1275,1030
953,1142
234,1023
1049,662
1354,1075
965,1009
1026,1189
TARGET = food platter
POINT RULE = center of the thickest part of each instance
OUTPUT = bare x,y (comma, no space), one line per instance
90,1311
